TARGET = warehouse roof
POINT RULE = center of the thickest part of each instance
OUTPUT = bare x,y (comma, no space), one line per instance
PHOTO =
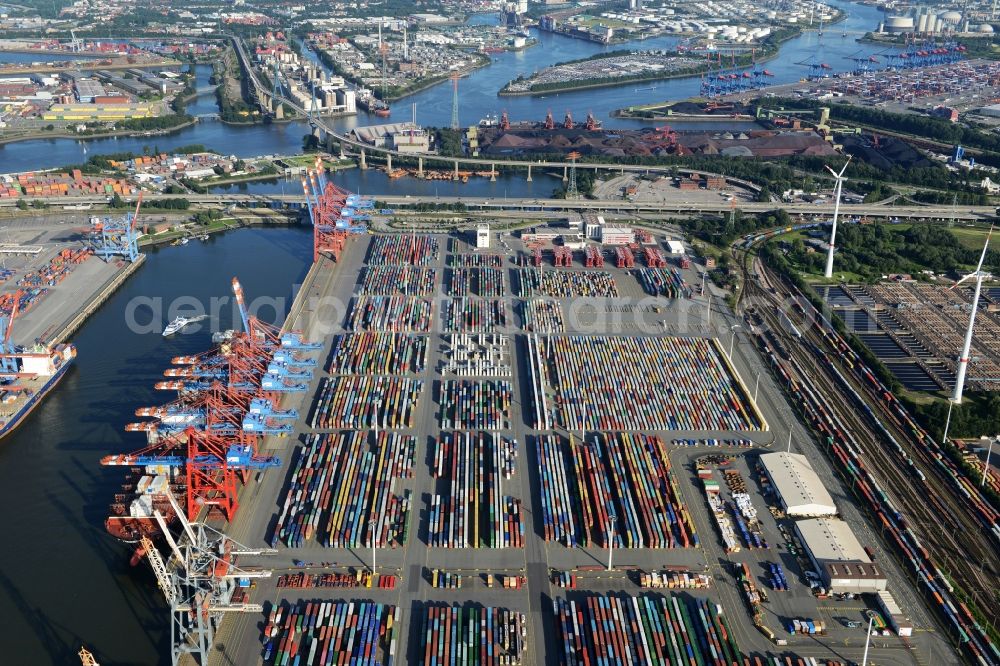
831,539
800,488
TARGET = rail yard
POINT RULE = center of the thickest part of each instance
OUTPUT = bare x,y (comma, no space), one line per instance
549,446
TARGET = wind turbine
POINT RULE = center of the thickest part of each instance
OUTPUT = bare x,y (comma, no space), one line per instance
828,273
963,358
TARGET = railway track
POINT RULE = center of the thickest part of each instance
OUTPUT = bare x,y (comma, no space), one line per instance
934,514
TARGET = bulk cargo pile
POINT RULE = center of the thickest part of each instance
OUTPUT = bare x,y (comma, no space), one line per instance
477,405
565,284
663,282
365,402
484,282
330,632
473,315
625,475
398,281
542,316
339,483
403,249
390,313
378,353
473,636
599,629
640,383
470,510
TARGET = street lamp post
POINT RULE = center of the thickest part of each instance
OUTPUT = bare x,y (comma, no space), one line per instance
868,640
986,467
756,385
732,340
611,537
372,523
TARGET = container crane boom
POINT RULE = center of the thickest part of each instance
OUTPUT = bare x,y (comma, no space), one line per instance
159,569
241,304
135,215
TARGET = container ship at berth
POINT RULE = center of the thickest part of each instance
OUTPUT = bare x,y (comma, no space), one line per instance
26,377
204,443
27,374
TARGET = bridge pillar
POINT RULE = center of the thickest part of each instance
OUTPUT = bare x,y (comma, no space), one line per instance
279,110
343,155
388,162
565,174
493,173
456,170
420,167
529,173
362,163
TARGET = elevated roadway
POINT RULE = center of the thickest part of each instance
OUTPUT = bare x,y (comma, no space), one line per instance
957,213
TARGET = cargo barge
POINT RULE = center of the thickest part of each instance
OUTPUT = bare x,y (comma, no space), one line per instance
26,377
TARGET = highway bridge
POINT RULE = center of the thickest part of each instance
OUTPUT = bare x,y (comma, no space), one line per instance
527,205
265,99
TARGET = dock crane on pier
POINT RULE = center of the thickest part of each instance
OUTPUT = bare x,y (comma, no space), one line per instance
332,213
87,657
8,353
198,579
117,237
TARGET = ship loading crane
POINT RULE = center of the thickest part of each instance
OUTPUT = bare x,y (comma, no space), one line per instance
207,440
335,213
199,582
117,237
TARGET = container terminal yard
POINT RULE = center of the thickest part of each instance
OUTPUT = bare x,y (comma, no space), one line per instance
520,440
52,278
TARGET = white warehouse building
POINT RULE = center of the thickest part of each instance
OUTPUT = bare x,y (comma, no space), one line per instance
800,490
838,557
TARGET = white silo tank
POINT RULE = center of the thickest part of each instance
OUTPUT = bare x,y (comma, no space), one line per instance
922,22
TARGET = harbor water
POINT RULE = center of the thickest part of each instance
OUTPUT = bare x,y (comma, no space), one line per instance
64,582
478,97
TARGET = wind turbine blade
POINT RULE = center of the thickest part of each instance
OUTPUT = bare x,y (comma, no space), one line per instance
963,279
841,174
986,246
832,172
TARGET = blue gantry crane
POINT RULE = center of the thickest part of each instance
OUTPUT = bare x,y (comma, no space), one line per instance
117,237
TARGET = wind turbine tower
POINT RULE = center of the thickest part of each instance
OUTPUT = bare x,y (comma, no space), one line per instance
963,358
828,273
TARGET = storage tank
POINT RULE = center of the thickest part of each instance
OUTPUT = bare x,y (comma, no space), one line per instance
899,24
951,17
923,22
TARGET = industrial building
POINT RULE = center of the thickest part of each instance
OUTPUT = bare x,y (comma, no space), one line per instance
675,247
617,235
87,90
799,489
838,557
410,141
97,112
482,237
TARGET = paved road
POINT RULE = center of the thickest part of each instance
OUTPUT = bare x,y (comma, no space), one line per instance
963,213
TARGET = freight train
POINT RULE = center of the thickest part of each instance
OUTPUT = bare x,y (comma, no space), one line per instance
848,457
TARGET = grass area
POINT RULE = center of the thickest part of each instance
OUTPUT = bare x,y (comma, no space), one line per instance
970,237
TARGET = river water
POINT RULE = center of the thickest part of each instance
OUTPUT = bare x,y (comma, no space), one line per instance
63,581
478,97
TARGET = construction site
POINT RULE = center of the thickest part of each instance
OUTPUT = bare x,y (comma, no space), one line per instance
443,442
587,138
